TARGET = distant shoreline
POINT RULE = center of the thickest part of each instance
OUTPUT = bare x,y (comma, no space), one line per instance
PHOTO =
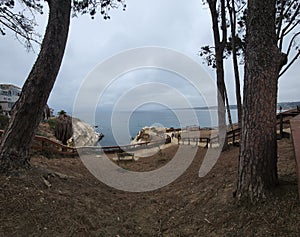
284,105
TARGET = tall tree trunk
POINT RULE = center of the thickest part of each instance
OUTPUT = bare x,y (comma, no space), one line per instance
228,110
219,52
27,112
232,17
237,85
257,172
221,101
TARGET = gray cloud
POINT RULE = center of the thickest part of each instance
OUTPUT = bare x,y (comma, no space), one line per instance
184,27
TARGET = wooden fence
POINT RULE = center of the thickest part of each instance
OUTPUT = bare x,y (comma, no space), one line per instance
295,130
232,137
44,144
119,149
284,118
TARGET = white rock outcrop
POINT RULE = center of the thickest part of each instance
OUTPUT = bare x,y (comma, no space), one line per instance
83,134
149,134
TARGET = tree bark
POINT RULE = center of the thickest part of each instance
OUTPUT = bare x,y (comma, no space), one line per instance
257,173
27,112
228,110
232,17
237,85
219,52
63,128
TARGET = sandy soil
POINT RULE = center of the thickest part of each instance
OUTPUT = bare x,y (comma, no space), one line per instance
59,197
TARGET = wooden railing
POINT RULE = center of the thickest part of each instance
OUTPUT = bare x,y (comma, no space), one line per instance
232,137
118,149
295,130
196,140
284,118
45,144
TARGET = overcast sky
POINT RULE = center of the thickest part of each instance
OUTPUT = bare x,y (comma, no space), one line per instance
179,25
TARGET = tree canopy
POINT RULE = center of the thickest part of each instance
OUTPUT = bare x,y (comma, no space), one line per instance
287,23
20,16
20,20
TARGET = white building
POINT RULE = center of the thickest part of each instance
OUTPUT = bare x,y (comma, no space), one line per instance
9,94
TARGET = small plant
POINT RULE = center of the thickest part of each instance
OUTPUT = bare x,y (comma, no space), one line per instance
62,112
41,134
52,123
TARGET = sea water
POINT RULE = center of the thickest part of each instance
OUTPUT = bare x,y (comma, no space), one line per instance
119,127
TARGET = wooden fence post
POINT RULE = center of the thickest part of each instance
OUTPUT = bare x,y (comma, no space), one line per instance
281,125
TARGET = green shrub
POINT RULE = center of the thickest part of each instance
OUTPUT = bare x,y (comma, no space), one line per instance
62,112
52,123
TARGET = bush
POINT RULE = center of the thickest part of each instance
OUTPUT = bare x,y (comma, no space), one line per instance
52,123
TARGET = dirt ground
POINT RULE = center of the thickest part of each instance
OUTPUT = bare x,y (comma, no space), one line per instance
77,204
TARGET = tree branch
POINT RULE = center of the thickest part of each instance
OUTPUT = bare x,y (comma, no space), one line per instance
291,43
290,21
290,64
281,16
223,23
292,28
22,26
